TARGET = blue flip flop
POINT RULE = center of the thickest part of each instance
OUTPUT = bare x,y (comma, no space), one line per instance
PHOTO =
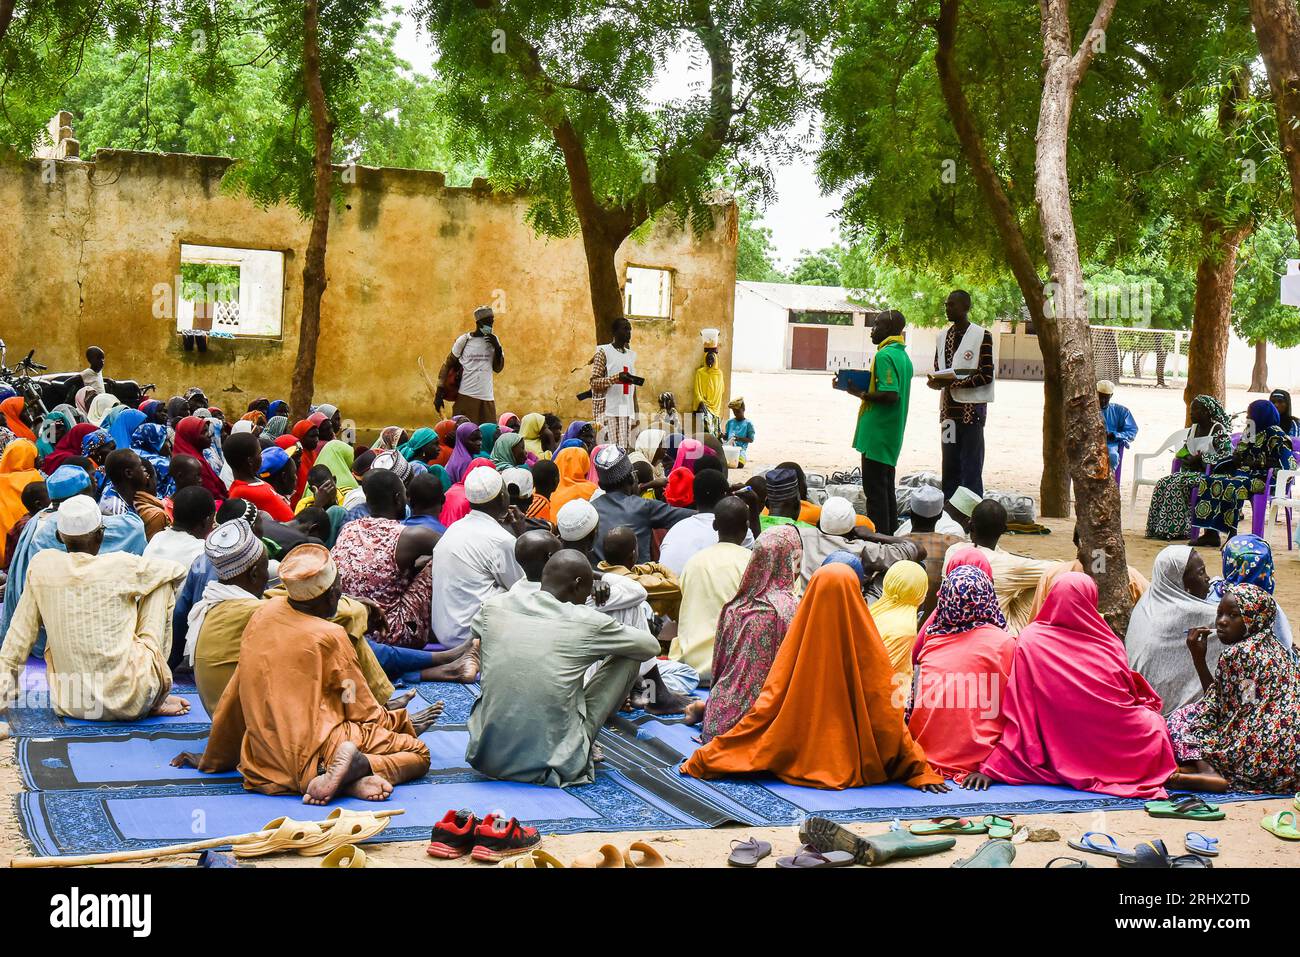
1201,845
1112,849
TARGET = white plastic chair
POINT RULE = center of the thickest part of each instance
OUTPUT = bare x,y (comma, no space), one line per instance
1171,444
1283,494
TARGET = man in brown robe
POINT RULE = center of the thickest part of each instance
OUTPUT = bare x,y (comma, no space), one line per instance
298,716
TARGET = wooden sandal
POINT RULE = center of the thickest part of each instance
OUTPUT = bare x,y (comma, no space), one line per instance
649,856
285,835
537,859
607,856
345,855
345,827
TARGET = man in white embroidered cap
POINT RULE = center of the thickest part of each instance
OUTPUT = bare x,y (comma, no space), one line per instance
297,716
107,619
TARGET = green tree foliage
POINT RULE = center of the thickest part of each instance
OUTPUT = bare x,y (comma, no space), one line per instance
1257,312
819,267
755,254
120,100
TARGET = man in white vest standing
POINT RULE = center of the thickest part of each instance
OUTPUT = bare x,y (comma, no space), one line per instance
613,387
963,362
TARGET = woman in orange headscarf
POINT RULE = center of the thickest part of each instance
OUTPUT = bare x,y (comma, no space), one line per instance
830,714
573,464
17,471
12,408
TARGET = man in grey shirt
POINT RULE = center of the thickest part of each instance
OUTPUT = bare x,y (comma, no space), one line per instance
536,722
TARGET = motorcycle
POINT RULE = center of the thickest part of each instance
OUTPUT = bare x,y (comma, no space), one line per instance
24,382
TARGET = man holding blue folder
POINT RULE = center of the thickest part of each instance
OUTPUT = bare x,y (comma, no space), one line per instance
882,418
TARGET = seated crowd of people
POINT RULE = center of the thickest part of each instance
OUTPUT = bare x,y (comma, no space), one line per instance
298,575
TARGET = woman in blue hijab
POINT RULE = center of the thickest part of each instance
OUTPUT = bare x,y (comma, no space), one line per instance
1221,494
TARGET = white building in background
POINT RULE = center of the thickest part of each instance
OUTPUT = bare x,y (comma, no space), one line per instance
782,325
816,328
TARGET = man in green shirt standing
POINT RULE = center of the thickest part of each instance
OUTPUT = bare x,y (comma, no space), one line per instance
882,418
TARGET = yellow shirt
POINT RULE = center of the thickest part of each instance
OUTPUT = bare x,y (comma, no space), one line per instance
710,579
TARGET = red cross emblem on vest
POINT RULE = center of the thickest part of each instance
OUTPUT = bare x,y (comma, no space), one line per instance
626,385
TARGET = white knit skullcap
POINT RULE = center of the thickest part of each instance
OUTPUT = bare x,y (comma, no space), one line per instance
838,517
521,478
79,515
577,519
483,485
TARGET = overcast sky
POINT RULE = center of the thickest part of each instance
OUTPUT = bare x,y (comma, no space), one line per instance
800,218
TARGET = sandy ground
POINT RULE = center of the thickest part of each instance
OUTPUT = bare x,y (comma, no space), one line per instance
779,404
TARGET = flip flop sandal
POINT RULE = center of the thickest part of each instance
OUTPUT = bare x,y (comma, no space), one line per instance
211,858
346,855
1296,802
1190,860
1148,855
1187,807
607,856
748,853
1069,862
1198,843
809,857
949,825
641,854
1089,843
995,852
537,859
998,827
1281,824
286,835
345,827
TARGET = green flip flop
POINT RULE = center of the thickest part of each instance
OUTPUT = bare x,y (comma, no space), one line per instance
1186,807
949,825
998,827
1281,824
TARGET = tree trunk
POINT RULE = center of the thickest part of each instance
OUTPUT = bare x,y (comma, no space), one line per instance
313,270
1277,30
1207,353
1100,529
1259,373
603,231
1054,487
6,16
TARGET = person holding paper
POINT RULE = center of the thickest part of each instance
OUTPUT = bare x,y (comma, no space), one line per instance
963,362
613,386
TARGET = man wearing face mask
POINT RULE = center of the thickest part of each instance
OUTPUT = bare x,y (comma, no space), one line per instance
466,375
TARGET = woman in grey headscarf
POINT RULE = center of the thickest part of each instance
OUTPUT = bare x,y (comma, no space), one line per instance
1156,640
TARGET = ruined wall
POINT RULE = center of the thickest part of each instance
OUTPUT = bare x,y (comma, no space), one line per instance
409,259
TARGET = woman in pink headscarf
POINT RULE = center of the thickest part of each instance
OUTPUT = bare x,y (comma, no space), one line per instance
961,675
688,453
967,556
1076,713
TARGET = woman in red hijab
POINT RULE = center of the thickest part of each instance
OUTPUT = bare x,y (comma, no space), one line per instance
191,439
67,447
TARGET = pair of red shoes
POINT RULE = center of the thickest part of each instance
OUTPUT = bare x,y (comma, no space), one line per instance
490,839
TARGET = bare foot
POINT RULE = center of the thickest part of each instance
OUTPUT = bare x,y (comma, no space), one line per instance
1183,781
347,765
597,753
172,706
369,788
398,702
694,712
463,670
673,704
422,721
